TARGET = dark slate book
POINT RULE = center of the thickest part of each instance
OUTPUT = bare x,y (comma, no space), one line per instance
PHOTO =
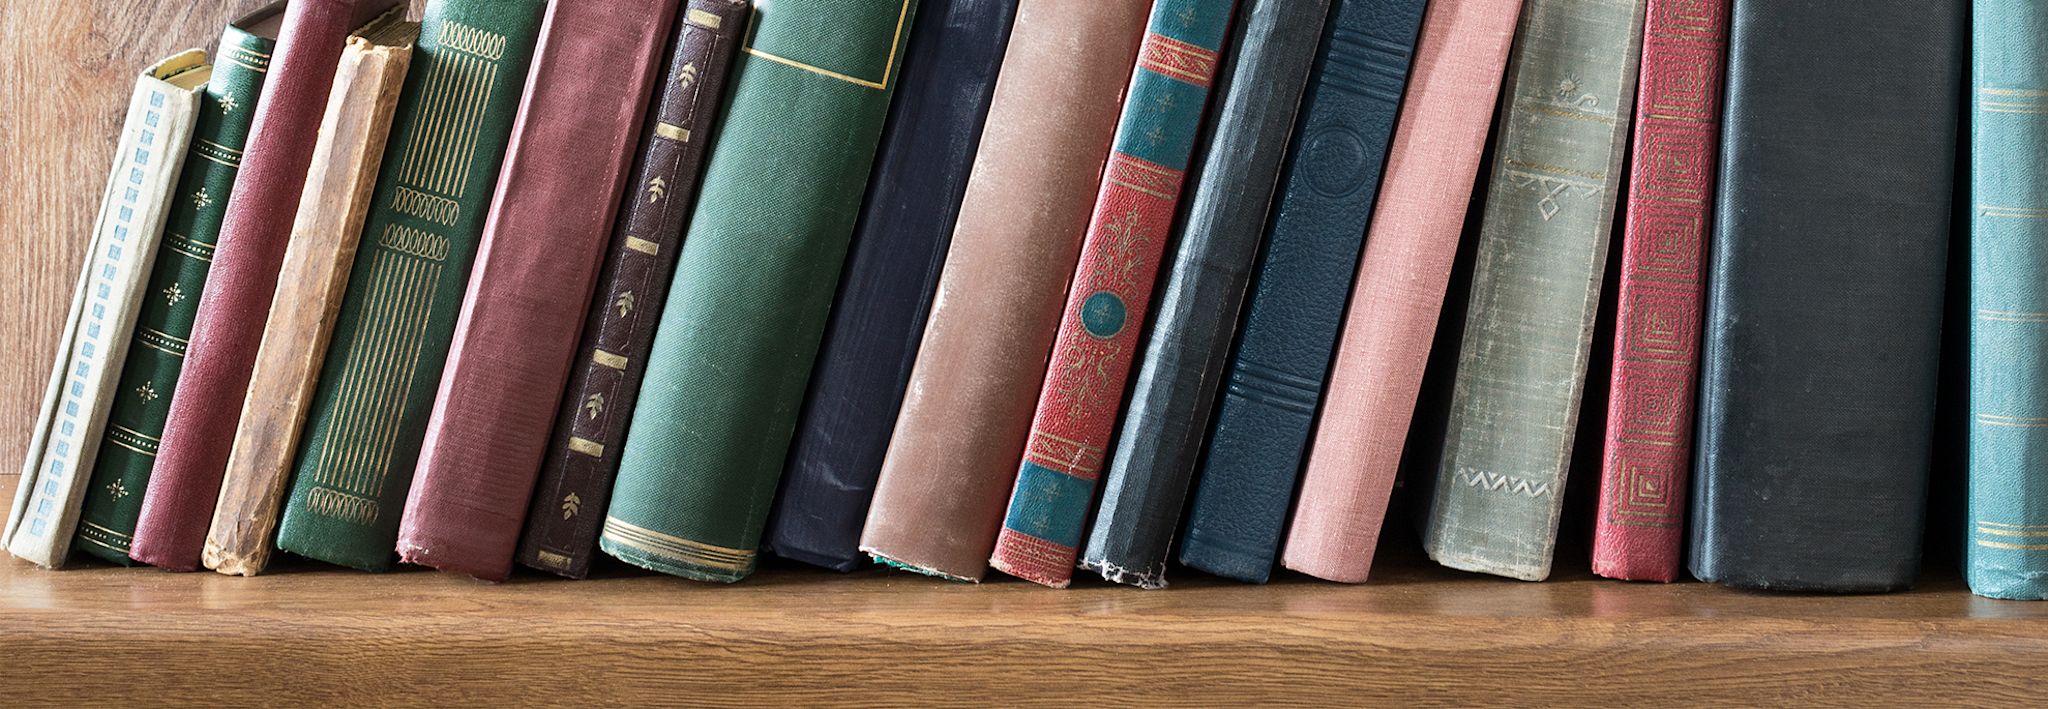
1824,318
934,127
1298,293
1190,335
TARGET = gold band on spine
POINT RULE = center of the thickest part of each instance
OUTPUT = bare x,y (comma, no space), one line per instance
672,131
608,359
642,245
586,446
676,548
703,19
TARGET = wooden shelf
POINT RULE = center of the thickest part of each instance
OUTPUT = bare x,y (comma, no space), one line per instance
800,637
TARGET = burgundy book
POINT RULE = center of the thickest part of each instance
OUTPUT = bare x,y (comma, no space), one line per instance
1650,410
199,431
515,340
576,475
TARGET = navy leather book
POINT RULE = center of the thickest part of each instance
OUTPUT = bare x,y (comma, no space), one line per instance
1299,289
934,126
1197,308
1824,315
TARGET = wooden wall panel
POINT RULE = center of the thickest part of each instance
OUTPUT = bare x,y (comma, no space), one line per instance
66,67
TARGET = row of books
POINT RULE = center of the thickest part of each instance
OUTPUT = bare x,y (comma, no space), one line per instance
873,280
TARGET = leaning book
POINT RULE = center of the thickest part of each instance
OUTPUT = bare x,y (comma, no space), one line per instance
122,246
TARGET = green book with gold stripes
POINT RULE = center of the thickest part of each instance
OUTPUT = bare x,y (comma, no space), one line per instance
369,413
149,373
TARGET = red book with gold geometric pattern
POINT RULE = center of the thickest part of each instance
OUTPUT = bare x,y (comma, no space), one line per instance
1098,336
1656,351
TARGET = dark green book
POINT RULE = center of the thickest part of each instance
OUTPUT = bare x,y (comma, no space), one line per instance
364,426
149,373
753,284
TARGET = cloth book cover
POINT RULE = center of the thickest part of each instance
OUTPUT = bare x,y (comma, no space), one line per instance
564,177
934,126
2008,501
200,429
1648,457
323,244
163,327
576,472
1399,291
85,376
1296,303
362,434
1821,347
753,284
1112,291
1270,54
939,501
1542,254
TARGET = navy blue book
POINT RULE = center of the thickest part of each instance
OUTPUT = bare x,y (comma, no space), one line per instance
1187,344
1822,344
899,244
1299,289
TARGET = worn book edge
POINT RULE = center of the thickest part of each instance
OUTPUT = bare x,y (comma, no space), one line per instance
245,517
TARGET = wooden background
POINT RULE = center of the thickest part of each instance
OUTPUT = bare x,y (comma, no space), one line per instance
66,69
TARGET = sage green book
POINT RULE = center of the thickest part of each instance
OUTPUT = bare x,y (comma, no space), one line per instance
363,428
756,275
1542,253
149,372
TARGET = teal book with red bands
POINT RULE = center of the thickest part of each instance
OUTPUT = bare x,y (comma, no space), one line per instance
1112,287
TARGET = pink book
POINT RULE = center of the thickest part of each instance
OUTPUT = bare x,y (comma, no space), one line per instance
1442,131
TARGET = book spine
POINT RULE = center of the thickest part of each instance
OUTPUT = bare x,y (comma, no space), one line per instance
1648,447
1416,224
2008,498
1535,287
753,284
1111,291
369,411
68,431
1197,306
316,265
156,351
934,126
1821,350
200,428
582,457
1296,301
515,339
939,500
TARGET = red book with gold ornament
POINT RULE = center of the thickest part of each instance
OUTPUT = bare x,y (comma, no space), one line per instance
1106,304
1637,535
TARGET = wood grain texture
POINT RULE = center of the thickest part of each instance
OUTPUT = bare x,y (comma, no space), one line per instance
66,68
1417,634
811,638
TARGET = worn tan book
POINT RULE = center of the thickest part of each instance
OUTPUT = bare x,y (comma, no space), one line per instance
73,417
309,290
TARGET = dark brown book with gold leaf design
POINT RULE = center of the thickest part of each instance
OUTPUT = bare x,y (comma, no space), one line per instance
576,476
